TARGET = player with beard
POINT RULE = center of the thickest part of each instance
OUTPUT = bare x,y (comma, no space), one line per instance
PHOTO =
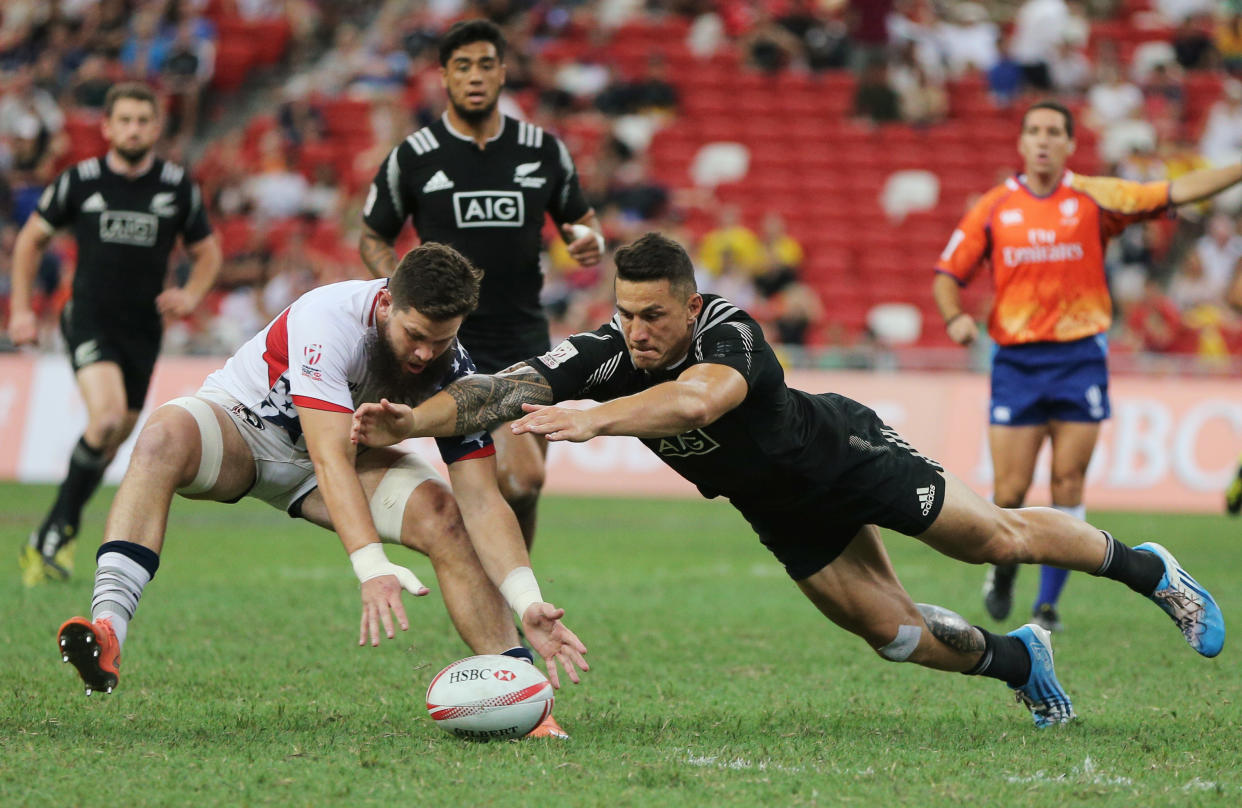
691,376
274,424
481,182
126,211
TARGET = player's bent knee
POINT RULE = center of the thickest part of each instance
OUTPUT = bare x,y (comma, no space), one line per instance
903,645
211,441
393,493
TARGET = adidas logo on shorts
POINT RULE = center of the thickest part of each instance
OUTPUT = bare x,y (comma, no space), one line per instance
927,498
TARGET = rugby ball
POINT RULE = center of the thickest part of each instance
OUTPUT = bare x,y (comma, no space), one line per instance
489,697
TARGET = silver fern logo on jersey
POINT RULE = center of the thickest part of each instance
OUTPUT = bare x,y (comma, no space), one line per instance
489,208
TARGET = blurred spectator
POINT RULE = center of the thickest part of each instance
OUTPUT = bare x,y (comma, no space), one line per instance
874,98
822,32
1039,27
384,65
1227,39
969,39
1222,135
275,191
1177,11
1153,322
188,67
144,51
1005,78
733,282
1192,286
732,238
1070,72
300,118
1220,251
1112,99
1193,42
921,100
90,84
869,20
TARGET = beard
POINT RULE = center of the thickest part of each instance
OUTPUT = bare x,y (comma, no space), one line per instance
133,156
475,116
387,378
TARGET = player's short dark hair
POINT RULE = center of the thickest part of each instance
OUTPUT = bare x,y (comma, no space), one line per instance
437,281
467,32
135,90
656,257
1055,106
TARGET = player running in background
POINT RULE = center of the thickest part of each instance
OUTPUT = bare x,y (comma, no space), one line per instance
481,182
274,424
692,377
1043,234
126,210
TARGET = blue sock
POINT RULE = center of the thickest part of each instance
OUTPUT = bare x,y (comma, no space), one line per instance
1051,582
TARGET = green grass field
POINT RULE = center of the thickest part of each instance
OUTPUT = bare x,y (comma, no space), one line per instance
713,682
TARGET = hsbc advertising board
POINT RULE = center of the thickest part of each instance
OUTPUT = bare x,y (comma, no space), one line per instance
1170,445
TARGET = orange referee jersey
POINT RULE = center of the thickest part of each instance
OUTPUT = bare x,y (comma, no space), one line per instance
1047,253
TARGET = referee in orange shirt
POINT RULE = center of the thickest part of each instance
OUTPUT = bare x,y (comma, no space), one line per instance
1043,233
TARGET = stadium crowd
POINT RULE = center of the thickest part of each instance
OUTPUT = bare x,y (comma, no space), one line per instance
284,108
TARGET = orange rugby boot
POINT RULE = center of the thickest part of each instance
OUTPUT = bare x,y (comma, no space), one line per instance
93,650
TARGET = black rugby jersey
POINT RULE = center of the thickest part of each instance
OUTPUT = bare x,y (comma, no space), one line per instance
778,445
488,204
125,230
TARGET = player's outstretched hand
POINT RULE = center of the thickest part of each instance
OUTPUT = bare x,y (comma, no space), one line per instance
554,641
382,424
23,327
584,244
175,302
381,602
555,423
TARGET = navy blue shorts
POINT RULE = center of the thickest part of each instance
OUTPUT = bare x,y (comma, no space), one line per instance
1039,382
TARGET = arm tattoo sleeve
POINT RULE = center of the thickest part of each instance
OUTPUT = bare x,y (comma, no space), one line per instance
951,628
485,401
377,254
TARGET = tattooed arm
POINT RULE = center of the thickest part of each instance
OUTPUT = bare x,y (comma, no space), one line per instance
471,404
377,253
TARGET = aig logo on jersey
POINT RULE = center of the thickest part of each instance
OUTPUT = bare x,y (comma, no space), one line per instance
696,442
128,227
489,208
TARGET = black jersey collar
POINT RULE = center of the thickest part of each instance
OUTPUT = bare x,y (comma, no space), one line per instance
445,119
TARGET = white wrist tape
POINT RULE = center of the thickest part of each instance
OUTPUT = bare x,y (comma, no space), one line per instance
370,562
521,590
581,231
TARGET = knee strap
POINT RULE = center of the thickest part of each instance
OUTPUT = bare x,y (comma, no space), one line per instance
394,490
210,438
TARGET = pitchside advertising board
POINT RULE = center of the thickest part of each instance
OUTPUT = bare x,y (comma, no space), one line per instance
1170,446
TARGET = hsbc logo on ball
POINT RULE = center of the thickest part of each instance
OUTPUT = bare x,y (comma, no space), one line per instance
478,674
489,209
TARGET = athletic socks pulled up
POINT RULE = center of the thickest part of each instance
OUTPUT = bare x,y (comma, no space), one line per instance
123,570
1137,569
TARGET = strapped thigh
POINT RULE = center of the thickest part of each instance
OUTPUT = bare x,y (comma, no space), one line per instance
211,439
393,492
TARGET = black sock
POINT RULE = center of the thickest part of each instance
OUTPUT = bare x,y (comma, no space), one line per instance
1137,569
86,470
1004,658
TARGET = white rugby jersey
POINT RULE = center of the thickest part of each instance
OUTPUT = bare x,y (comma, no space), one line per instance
314,355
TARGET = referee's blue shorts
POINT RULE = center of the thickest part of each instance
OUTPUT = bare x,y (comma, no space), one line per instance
1039,382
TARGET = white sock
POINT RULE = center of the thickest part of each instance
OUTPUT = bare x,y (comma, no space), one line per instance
119,581
1079,512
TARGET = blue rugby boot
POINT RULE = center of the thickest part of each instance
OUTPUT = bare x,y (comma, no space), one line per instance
1042,694
1186,601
